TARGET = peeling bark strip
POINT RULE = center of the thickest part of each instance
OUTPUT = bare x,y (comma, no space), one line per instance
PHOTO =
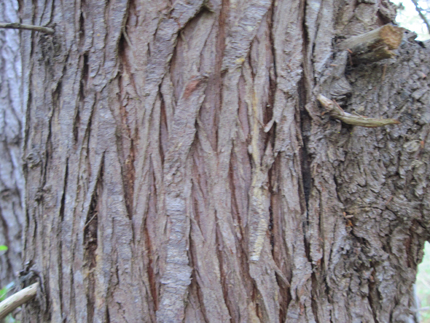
176,277
243,31
177,169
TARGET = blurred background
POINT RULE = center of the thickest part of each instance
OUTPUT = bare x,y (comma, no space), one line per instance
409,17
423,285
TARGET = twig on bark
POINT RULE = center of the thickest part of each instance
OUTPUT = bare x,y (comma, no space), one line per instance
423,16
17,299
356,120
92,218
16,25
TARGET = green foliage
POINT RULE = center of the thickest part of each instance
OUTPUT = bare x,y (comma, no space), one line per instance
3,296
3,293
4,290
423,285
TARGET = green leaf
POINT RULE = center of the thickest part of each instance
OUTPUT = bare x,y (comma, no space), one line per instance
3,293
3,248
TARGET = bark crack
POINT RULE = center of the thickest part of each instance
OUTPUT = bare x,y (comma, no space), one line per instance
91,243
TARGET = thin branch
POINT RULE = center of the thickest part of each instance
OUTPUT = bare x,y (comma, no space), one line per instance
17,299
423,17
16,25
356,120
86,224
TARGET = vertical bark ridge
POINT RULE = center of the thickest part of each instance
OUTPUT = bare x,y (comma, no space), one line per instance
161,43
177,272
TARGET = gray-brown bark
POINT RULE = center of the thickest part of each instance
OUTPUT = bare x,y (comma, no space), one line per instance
179,167
11,119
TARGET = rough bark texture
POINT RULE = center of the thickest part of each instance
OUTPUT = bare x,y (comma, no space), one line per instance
180,169
11,126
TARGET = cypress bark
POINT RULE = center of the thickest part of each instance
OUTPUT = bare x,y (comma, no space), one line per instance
179,167
11,138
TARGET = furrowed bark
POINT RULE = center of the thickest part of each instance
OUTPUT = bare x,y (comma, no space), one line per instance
11,134
179,167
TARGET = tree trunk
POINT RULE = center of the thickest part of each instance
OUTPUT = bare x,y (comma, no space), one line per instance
11,119
179,168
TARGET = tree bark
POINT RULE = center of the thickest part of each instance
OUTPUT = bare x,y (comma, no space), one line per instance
179,168
11,130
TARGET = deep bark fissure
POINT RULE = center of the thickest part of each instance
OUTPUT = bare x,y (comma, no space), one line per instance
152,277
76,122
218,73
60,229
223,278
126,160
82,24
194,279
91,244
305,127
81,99
27,128
126,133
373,290
107,316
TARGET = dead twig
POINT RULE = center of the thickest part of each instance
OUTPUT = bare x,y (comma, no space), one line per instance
356,120
15,25
89,221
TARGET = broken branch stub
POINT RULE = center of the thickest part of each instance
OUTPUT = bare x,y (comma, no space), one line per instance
374,45
356,120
